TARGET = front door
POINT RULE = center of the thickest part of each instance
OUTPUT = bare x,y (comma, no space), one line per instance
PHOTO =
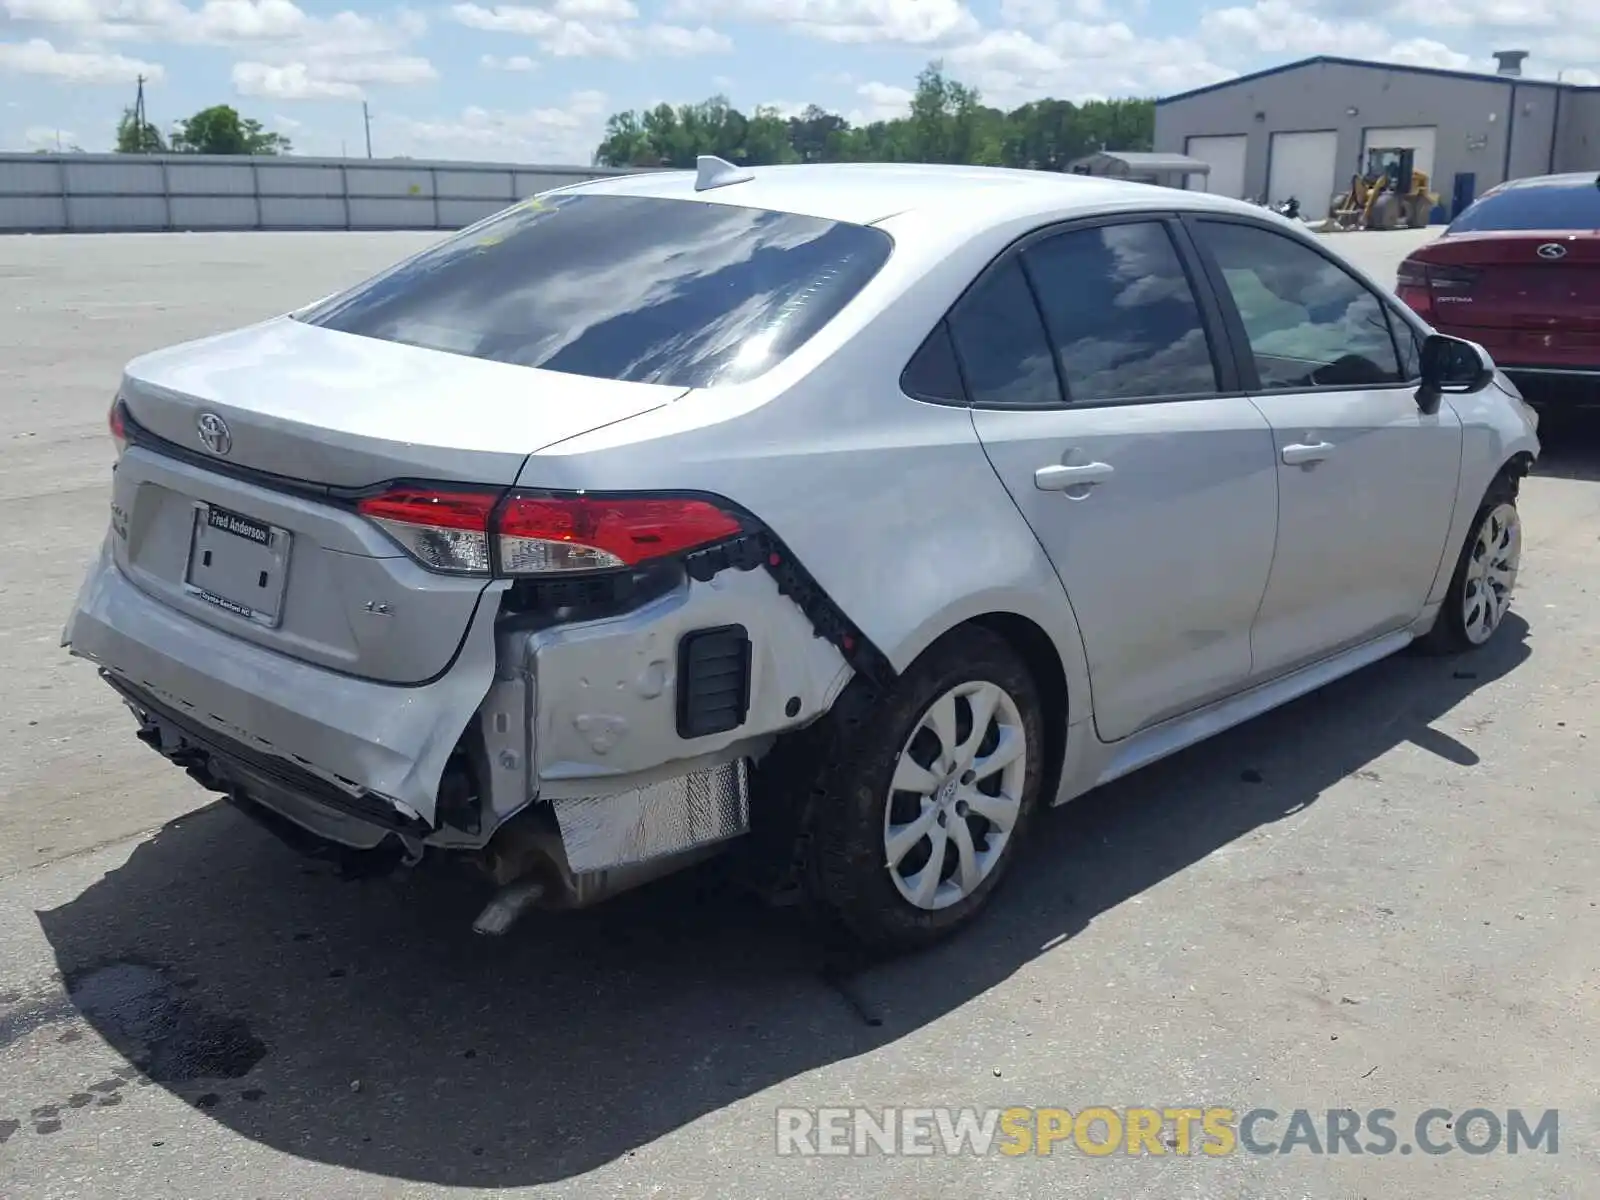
1096,393
1366,481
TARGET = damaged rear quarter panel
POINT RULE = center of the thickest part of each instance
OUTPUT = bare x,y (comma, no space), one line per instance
604,693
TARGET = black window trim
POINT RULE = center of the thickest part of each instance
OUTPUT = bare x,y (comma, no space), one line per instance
1244,357
1220,343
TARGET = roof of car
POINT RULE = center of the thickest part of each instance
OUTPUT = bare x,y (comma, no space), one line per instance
868,192
1570,179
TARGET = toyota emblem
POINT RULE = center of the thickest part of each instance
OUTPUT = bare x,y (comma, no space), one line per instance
1552,250
214,434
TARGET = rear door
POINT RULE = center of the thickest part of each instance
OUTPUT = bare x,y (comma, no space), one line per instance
1090,360
1366,480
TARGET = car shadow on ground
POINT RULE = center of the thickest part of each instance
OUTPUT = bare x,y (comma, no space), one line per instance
362,1025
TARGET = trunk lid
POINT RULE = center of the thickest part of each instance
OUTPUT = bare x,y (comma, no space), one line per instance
1526,280
322,407
262,539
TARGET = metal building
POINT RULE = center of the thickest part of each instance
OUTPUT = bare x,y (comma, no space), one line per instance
1303,129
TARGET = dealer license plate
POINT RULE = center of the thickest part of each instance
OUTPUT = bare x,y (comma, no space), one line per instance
238,564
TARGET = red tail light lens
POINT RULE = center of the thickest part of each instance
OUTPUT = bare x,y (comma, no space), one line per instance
117,420
444,531
543,535
546,534
1419,285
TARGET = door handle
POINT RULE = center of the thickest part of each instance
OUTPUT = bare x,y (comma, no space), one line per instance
1058,478
1303,453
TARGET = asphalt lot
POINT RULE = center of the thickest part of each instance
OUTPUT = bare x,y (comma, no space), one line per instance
1383,896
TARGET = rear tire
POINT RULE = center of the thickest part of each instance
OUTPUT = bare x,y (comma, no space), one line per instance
921,813
1385,212
1486,574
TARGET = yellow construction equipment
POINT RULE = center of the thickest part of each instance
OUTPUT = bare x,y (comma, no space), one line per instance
1390,195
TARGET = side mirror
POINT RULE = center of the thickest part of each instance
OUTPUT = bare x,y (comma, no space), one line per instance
1452,366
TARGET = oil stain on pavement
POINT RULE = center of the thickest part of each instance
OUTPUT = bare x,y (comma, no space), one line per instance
168,1035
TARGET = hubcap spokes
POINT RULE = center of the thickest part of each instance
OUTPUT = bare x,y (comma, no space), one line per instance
1491,573
955,795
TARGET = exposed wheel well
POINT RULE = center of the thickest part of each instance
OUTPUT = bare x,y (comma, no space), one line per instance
1515,469
1032,644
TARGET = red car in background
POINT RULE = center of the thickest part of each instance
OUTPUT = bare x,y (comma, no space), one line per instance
1518,272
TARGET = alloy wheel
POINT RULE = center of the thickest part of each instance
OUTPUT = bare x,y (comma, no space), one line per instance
1491,573
956,794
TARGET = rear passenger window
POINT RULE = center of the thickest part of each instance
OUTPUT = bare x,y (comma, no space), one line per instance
1001,343
1121,314
932,373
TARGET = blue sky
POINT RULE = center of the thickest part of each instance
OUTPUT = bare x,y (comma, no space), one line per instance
535,81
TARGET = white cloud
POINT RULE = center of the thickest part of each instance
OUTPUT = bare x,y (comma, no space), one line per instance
1039,13
598,10
1282,27
515,62
40,57
1078,60
677,41
288,52
783,108
561,35
884,102
291,82
567,134
38,137
911,22
1424,52
335,79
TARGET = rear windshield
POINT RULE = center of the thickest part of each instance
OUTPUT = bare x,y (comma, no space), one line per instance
633,288
1534,207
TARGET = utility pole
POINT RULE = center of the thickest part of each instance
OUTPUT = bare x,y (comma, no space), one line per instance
366,120
139,119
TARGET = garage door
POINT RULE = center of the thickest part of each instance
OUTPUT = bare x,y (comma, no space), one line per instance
1303,165
1417,138
1225,155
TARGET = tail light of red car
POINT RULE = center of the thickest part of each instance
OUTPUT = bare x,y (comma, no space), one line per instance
1421,284
541,534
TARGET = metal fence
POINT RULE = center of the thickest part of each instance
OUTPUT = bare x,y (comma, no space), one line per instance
103,193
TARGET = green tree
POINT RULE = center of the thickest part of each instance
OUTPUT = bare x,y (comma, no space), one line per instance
137,136
221,130
948,122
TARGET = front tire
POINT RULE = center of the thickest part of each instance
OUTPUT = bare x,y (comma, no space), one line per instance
1485,576
923,812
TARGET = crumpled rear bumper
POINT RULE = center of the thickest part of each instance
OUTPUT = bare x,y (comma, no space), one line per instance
385,743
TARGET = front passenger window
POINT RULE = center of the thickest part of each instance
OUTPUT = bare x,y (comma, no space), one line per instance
1310,323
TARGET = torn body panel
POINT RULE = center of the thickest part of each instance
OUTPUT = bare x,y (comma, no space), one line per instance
606,693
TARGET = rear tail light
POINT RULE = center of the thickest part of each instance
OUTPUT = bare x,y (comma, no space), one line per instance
1419,285
444,531
540,535
118,422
